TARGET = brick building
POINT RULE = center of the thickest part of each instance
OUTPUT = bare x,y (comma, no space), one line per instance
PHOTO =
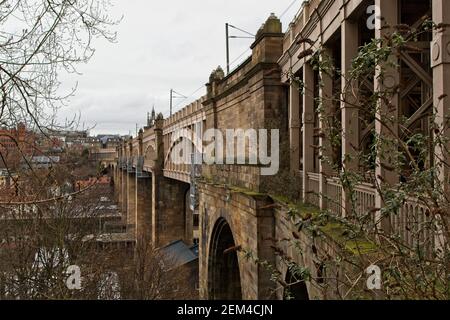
15,144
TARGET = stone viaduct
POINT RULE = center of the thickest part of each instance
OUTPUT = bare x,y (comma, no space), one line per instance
223,206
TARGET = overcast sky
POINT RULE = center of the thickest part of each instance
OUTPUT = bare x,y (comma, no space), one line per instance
161,44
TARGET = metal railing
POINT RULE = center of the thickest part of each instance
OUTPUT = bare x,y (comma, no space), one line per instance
365,199
313,196
412,224
334,196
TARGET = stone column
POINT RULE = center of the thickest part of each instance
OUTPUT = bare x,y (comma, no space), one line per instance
440,61
118,186
189,220
144,209
441,80
308,126
114,179
168,221
387,79
265,221
157,175
350,115
116,172
294,126
124,193
168,198
326,115
131,204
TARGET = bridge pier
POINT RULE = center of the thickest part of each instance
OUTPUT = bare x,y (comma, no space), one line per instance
124,194
231,221
144,209
169,210
131,203
189,220
117,185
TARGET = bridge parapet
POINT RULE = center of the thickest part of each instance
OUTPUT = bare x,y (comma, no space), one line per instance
189,111
248,102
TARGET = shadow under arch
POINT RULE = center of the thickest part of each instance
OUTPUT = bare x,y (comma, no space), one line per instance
298,289
224,274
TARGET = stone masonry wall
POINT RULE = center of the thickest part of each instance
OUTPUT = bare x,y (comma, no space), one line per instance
168,221
124,194
251,226
131,207
144,209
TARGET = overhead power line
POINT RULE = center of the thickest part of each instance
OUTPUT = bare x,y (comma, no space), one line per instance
190,96
240,56
288,8
228,37
174,95
250,34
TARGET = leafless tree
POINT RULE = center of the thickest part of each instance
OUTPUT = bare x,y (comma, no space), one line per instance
42,238
39,40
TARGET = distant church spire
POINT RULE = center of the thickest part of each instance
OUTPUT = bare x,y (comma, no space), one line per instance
151,118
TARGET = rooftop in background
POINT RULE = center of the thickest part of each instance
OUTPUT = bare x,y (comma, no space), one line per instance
179,253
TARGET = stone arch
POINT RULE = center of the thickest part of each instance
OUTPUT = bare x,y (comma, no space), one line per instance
297,291
224,272
182,136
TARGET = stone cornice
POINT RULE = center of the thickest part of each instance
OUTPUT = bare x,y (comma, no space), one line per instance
241,82
307,30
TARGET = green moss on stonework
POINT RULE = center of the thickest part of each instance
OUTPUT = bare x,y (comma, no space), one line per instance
338,232
205,179
247,192
334,230
301,208
282,199
234,189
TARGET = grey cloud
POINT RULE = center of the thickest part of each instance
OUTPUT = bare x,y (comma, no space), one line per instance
161,45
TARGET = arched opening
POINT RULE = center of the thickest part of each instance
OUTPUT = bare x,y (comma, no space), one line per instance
224,274
297,289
